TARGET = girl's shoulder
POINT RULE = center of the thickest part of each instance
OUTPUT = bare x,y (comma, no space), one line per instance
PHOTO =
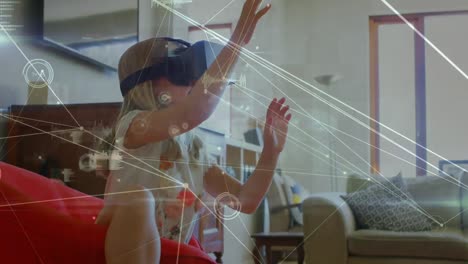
124,122
139,128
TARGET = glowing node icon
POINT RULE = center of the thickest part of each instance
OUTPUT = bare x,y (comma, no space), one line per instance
174,130
119,142
243,80
439,225
185,125
38,73
140,126
230,200
164,98
208,80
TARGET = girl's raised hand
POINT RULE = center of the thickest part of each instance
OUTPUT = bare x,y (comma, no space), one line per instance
248,21
276,126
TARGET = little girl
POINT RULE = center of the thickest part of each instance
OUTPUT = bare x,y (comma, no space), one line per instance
164,169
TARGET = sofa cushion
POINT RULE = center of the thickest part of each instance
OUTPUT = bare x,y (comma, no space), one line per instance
439,196
464,201
387,206
440,244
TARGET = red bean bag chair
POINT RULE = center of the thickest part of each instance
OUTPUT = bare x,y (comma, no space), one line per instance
43,221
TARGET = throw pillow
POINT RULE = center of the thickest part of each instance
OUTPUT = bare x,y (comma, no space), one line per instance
387,206
295,194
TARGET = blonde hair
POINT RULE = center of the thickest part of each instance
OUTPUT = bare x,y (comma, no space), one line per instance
142,96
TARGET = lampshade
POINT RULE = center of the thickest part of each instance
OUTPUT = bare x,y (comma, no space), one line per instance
328,79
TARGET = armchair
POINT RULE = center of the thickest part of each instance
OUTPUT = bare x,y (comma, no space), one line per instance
332,236
282,230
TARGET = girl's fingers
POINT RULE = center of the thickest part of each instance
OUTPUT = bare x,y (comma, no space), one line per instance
257,3
270,107
262,12
288,117
279,104
253,20
253,6
283,110
249,18
282,100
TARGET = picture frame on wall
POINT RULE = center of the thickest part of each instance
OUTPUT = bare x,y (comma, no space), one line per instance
452,167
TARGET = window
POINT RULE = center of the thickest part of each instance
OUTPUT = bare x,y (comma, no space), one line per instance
416,92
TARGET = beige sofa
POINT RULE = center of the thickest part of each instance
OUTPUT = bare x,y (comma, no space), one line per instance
331,235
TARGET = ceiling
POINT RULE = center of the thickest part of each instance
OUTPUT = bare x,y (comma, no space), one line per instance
203,10
55,10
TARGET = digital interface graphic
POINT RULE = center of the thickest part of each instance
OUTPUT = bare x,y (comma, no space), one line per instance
354,143
7,11
41,80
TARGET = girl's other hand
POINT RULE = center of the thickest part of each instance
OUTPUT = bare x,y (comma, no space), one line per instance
248,21
276,126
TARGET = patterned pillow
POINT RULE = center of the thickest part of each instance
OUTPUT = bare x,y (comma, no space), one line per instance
387,206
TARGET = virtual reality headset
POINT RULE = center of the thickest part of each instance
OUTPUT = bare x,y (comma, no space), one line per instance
181,66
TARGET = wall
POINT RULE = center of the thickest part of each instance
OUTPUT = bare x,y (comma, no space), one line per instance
76,9
331,36
328,37
75,81
417,6
445,87
283,38
397,97
446,90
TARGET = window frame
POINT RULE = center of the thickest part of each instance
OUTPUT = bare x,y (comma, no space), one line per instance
418,20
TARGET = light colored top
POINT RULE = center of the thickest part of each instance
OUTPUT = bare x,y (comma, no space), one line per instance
176,207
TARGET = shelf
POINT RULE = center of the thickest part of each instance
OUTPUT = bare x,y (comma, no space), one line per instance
243,145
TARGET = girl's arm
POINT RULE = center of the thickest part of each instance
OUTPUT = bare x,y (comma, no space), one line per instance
198,106
251,193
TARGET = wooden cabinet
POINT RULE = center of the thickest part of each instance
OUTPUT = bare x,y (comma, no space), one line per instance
47,139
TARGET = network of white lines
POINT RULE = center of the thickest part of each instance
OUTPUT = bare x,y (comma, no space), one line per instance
39,73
